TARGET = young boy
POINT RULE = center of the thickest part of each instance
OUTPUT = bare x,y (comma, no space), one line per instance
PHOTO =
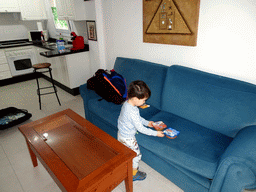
130,121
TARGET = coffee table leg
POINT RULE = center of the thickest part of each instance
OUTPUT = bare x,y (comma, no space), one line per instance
32,155
128,180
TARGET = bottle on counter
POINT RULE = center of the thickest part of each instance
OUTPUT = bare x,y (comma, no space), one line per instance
60,46
42,37
61,37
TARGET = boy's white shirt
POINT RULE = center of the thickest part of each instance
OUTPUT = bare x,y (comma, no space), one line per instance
130,121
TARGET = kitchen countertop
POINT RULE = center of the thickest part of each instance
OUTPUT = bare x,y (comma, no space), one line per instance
50,45
13,44
56,53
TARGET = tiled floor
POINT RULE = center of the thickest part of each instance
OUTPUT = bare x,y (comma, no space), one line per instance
17,173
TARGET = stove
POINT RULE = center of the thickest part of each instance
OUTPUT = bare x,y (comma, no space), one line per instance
20,57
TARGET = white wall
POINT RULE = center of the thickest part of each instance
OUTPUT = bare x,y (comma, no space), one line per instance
94,10
226,38
12,28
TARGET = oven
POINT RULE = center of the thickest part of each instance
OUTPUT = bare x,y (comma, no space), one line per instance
20,60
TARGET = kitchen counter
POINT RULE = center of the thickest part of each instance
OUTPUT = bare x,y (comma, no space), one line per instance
16,43
50,45
65,75
26,42
55,52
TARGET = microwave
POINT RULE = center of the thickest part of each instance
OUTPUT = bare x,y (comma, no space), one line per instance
35,36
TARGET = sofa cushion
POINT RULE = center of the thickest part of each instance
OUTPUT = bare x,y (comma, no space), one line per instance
104,109
110,112
148,112
197,148
219,103
154,76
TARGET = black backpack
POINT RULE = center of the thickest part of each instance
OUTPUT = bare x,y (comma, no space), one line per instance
111,86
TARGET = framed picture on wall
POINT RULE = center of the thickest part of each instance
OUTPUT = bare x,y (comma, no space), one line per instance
91,30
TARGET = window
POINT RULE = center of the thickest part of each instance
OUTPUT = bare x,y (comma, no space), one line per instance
59,24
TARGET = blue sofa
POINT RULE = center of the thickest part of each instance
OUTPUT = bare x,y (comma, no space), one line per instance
216,117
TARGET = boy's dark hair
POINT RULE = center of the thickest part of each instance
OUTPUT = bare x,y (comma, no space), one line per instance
138,89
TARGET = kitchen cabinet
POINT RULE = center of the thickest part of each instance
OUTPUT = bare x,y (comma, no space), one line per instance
5,72
58,65
70,70
78,66
70,9
39,58
32,9
59,70
9,6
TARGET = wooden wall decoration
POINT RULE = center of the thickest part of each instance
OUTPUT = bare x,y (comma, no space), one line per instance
171,21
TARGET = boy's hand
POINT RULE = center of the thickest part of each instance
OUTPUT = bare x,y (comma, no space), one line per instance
150,124
160,134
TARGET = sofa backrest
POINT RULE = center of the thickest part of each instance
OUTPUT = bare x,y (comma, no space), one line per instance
153,74
222,104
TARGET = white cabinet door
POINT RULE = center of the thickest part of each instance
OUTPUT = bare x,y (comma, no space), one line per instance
40,58
9,6
4,67
32,10
65,9
61,9
78,67
71,9
59,70
70,70
3,59
5,75
5,72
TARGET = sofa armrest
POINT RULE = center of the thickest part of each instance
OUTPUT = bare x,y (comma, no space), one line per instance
237,166
87,94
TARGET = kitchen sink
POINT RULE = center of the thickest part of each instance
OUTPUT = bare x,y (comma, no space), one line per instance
68,46
54,45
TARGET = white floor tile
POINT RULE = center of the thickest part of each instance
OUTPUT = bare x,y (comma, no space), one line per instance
2,153
10,98
145,168
21,162
8,180
30,177
122,185
12,141
164,181
151,184
50,187
117,189
12,185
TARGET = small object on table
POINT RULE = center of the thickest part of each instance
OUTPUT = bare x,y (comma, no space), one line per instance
159,125
144,106
171,133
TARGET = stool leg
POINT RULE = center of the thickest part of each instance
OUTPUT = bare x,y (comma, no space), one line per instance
55,90
38,90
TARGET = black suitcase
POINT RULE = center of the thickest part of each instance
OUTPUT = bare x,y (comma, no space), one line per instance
12,116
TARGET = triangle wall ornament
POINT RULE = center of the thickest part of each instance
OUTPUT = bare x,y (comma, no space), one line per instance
171,21
168,19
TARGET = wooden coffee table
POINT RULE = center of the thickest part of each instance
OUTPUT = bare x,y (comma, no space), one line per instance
78,155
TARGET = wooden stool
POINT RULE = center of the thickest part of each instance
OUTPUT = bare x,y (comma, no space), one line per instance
44,66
